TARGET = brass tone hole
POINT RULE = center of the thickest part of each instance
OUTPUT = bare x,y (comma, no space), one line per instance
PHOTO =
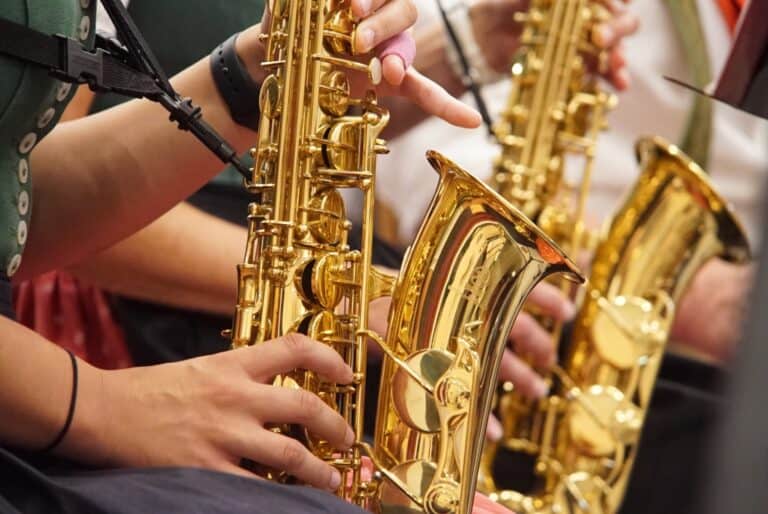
327,217
334,93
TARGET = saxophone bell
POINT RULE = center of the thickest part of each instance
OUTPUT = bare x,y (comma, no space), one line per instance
581,456
574,450
463,282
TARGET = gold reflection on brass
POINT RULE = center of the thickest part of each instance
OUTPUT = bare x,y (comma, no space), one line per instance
464,279
578,445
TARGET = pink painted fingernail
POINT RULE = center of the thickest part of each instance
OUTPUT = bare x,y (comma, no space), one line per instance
402,45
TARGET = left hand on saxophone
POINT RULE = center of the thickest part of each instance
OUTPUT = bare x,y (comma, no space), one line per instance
497,35
382,32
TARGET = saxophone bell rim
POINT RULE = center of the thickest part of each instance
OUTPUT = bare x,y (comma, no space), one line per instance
547,247
649,150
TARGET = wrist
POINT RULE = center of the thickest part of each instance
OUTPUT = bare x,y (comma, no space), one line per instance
252,52
88,438
460,26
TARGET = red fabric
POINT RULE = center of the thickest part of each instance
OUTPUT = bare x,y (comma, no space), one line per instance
731,10
74,316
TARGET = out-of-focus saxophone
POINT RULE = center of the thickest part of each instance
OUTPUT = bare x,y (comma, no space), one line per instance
573,451
463,281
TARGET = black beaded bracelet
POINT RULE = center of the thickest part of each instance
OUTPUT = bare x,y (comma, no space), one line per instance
71,413
239,91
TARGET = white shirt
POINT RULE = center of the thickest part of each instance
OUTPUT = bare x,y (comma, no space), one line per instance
652,105
104,25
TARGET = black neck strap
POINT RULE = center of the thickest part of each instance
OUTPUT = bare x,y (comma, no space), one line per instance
132,71
467,77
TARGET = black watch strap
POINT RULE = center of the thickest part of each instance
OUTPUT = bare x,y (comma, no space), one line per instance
235,84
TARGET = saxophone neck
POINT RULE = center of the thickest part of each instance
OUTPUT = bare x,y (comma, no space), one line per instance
555,107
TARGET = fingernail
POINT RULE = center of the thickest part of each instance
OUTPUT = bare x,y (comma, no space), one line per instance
621,60
540,388
569,311
335,480
604,35
623,76
365,40
494,431
349,439
365,7
395,73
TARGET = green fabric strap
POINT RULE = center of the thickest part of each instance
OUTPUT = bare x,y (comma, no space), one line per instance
698,132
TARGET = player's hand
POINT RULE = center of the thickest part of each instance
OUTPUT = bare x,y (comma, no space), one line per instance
711,314
383,31
530,341
212,412
498,35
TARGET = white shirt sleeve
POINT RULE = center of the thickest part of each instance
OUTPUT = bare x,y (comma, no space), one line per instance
652,105
104,26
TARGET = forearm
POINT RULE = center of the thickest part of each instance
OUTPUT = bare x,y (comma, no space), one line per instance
130,162
187,258
432,61
35,391
79,106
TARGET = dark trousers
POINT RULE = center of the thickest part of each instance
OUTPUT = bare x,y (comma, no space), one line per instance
62,489
669,476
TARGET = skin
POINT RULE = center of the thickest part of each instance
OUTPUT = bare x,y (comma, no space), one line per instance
208,284
135,176
496,20
140,167
498,36
186,259
188,413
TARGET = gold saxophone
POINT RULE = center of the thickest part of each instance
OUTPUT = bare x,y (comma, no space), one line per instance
464,279
573,451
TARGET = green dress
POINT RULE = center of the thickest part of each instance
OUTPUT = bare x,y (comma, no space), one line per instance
31,103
